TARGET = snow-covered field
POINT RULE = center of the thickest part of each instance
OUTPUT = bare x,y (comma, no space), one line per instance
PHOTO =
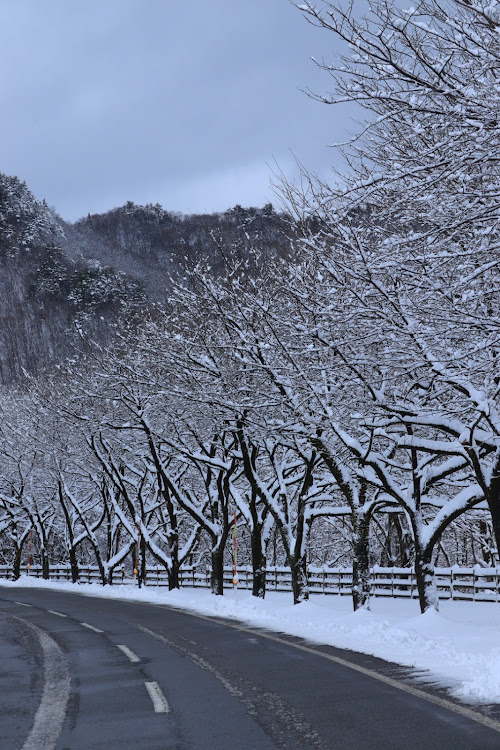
458,648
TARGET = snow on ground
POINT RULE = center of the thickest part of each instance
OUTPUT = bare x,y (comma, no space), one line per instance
459,647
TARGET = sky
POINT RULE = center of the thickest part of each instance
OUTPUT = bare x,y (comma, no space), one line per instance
189,104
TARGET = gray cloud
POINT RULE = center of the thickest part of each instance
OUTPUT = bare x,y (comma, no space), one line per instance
149,100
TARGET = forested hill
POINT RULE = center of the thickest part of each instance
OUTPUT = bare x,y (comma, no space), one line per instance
151,243
60,280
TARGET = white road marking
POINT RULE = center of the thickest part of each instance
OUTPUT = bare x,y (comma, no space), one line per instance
130,654
159,701
51,712
199,660
91,627
23,604
59,614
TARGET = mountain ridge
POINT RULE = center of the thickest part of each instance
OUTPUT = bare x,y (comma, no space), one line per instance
63,283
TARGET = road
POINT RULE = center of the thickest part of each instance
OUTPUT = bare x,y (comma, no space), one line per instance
83,673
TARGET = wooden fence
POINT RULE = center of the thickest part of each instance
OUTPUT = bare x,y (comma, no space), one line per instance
472,584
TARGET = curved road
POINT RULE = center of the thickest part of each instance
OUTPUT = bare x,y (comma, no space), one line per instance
83,673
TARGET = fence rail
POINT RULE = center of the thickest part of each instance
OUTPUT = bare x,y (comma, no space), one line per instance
470,584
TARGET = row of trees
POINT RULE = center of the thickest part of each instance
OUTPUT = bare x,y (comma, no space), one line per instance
245,394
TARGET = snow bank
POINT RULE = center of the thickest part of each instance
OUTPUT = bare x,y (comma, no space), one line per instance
459,647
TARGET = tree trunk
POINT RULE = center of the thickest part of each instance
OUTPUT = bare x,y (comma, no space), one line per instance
173,575
259,563
73,561
300,586
141,572
45,564
217,572
16,567
424,572
173,572
75,573
103,571
361,562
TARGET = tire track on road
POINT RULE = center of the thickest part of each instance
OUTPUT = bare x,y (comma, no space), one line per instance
51,712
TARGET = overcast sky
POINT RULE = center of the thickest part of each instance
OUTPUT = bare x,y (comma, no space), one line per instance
182,103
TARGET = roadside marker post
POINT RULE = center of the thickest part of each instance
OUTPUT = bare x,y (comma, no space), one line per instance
136,568
235,554
29,552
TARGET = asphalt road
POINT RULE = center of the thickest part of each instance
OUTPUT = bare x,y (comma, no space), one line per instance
83,673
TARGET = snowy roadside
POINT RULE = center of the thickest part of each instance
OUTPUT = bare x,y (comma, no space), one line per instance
459,647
